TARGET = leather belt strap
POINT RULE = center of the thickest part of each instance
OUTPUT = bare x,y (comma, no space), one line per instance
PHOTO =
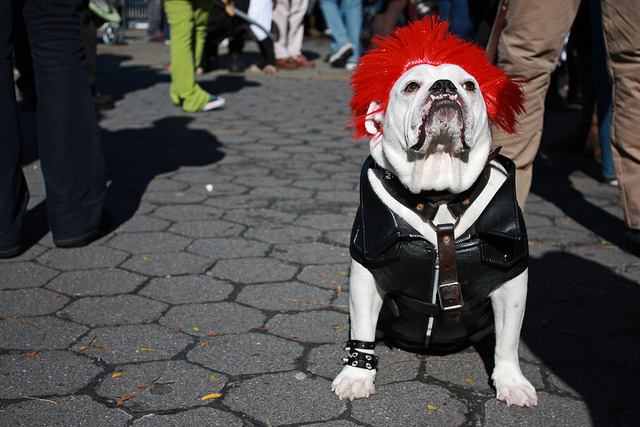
419,306
449,289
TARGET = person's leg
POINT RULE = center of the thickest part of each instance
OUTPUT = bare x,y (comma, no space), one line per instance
13,189
281,19
201,9
333,18
26,83
461,23
296,26
602,90
352,14
154,14
622,38
184,89
529,47
71,153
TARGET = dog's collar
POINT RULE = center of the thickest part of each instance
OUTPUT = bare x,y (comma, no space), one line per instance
426,203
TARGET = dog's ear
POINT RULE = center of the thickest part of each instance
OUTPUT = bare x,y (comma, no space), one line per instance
374,118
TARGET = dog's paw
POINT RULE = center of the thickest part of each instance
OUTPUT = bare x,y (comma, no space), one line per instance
354,383
513,388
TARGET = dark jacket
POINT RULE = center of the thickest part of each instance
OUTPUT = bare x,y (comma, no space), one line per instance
493,250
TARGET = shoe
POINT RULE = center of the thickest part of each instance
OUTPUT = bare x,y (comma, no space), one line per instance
158,38
611,181
350,65
340,63
236,64
214,103
632,242
105,227
103,102
303,62
287,64
11,253
342,53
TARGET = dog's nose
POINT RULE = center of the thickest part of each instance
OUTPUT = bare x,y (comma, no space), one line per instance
443,86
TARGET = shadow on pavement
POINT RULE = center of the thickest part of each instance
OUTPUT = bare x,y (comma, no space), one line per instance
581,321
136,157
117,80
551,180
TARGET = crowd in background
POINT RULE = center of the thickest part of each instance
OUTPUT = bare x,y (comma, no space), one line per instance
559,47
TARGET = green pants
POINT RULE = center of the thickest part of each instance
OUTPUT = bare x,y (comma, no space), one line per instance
188,30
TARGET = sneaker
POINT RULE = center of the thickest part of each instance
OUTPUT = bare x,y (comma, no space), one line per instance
350,65
214,103
342,53
611,181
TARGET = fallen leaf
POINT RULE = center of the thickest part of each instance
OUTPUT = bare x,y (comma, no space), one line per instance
204,343
336,326
144,257
211,396
339,289
213,378
196,329
329,281
126,397
177,330
101,347
116,374
469,381
121,314
433,408
293,336
147,349
30,354
213,334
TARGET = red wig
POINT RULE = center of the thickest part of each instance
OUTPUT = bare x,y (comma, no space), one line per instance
429,41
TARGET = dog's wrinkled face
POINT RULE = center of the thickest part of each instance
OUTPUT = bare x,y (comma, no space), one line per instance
435,133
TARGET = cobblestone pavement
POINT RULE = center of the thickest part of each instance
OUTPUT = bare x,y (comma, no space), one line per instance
221,297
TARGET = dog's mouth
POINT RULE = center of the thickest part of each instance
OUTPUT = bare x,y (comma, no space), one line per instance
444,121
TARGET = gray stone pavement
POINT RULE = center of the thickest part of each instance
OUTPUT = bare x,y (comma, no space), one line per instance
221,297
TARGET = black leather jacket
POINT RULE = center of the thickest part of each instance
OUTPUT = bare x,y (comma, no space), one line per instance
493,250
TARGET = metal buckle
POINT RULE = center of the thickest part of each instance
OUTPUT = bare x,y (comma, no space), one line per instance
450,296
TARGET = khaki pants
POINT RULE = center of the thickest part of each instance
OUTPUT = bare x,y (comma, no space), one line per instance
288,15
530,46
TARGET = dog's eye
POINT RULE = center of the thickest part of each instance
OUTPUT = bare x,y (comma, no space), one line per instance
469,86
412,87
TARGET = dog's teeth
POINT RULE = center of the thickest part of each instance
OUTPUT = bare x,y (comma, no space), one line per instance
455,97
433,98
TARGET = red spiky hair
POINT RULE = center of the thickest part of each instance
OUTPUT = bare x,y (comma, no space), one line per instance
429,41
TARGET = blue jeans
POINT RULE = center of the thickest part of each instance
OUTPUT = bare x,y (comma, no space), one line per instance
457,13
345,23
70,149
602,90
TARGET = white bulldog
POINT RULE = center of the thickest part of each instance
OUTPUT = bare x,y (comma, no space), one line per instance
429,190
